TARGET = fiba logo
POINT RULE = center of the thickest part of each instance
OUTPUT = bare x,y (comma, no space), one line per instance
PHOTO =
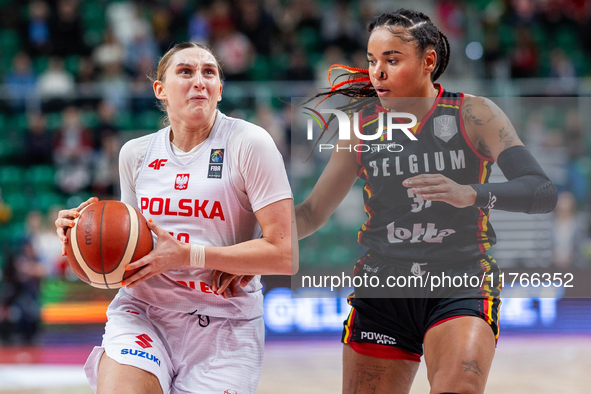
230,392
217,156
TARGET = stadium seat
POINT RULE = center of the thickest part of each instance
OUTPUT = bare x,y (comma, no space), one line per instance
19,122
11,179
45,201
40,64
124,120
54,120
20,205
9,42
42,177
149,120
260,70
89,118
72,64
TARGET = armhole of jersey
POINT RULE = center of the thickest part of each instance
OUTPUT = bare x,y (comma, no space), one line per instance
465,135
230,133
142,163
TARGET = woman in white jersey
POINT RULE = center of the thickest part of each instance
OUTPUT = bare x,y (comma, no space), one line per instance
217,196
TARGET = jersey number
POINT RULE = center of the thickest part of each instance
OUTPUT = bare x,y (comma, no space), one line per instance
183,237
418,204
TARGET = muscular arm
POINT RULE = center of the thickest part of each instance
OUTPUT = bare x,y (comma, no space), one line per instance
528,188
487,126
336,180
276,253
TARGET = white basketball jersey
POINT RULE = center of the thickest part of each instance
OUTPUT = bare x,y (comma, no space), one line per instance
196,202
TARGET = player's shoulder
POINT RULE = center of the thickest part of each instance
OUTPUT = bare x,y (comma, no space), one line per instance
135,147
478,105
247,132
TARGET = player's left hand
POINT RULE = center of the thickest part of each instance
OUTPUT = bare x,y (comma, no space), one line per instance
227,284
168,254
436,187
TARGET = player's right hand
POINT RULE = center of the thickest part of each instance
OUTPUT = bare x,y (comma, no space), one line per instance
65,219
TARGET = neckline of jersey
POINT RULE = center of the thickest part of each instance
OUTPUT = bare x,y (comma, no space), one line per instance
205,144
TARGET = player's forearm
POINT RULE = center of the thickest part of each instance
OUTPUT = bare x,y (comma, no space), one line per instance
528,190
307,223
255,257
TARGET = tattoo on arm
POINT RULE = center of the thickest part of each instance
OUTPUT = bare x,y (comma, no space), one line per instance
472,366
478,114
507,135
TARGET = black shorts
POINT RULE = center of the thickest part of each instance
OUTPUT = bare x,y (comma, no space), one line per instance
395,327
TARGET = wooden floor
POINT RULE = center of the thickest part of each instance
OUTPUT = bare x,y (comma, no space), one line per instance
523,365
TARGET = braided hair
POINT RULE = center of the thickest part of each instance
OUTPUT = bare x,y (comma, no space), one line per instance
417,27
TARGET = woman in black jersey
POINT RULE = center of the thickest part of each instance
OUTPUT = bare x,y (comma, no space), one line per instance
428,208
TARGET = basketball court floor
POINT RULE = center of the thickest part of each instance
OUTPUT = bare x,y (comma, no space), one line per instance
523,365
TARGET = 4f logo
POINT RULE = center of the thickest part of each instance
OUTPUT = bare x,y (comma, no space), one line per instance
144,341
181,181
156,164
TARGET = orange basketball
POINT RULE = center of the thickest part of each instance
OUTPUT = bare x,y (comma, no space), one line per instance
106,237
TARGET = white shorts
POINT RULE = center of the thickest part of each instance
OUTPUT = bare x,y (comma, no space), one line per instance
187,353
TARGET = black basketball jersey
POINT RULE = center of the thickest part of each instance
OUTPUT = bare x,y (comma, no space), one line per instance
401,224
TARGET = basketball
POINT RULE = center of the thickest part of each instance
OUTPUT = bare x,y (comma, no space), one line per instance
106,237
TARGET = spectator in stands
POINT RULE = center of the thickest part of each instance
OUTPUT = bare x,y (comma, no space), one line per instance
106,167
299,69
341,28
114,85
87,76
20,81
73,153
162,26
55,85
569,230
35,29
43,241
19,298
199,26
106,124
257,24
563,72
575,144
67,32
37,141
109,51
5,211
524,57
142,93
234,50
332,55
143,46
